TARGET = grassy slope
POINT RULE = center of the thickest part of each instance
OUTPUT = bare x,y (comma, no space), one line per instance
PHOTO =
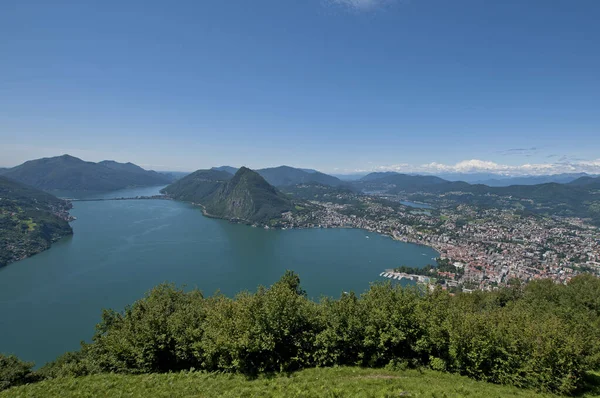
326,382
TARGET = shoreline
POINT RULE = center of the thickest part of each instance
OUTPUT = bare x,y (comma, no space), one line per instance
246,222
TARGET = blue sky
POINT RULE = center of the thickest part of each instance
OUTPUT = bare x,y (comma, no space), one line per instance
339,85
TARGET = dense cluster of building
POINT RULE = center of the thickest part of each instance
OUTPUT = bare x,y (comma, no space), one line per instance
489,246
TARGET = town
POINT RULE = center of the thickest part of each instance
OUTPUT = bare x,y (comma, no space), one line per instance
487,247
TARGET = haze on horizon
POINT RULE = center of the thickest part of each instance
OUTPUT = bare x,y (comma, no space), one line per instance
336,85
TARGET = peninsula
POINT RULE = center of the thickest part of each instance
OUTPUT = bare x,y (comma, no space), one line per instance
30,220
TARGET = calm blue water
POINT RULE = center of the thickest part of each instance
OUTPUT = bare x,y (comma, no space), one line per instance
121,193
121,249
416,205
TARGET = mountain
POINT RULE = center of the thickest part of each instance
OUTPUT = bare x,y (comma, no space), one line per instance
196,187
30,220
73,174
228,169
285,176
245,196
248,197
532,180
587,182
350,177
378,175
174,175
392,182
3,170
144,177
576,199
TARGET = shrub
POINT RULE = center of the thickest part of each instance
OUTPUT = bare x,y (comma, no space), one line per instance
542,335
14,372
272,330
156,334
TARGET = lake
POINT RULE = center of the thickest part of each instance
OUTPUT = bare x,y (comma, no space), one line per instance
121,249
416,205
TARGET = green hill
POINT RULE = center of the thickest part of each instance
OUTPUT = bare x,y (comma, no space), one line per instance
228,169
285,176
196,187
69,173
247,197
319,192
587,181
142,174
395,182
578,198
324,382
30,220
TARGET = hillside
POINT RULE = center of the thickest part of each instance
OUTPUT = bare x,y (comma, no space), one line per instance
318,192
578,198
245,196
30,220
285,176
378,175
69,173
248,197
323,382
532,180
143,175
196,187
228,169
394,182
587,182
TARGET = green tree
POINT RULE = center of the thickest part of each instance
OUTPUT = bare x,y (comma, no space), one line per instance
14,372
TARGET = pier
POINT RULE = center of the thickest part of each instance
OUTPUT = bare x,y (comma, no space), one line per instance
391,274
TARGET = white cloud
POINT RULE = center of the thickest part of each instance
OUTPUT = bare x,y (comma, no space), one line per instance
362,4
485,166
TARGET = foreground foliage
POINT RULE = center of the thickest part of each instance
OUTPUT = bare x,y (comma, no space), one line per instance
323,382
543,336
14,372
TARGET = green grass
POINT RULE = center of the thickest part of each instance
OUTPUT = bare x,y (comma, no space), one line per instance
30,224
327,382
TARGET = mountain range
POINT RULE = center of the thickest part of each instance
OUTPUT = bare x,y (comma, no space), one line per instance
394,182
489,179
574,196
529,180
285,176
578,198
73,174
